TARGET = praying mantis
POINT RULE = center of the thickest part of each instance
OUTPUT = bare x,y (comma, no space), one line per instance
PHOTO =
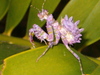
67,31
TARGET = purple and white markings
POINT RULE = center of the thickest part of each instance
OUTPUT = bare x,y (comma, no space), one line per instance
67,30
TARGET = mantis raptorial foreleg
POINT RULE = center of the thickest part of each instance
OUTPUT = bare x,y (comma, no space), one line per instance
67,30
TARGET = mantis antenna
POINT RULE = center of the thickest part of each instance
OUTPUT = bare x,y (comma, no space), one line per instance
43,4
35,8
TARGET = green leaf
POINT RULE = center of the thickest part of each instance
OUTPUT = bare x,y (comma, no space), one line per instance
4,5
96,71
95,60
18,41
16,12
50,5
87,11
57,61
92,25
7,50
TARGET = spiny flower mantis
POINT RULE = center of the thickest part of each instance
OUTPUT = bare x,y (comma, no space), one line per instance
67,30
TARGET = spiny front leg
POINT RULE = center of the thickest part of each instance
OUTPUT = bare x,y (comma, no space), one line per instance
56,28
49,38
53,33
42,36
38,32
31,33
50,29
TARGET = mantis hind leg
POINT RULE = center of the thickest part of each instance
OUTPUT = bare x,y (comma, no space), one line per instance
73,53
